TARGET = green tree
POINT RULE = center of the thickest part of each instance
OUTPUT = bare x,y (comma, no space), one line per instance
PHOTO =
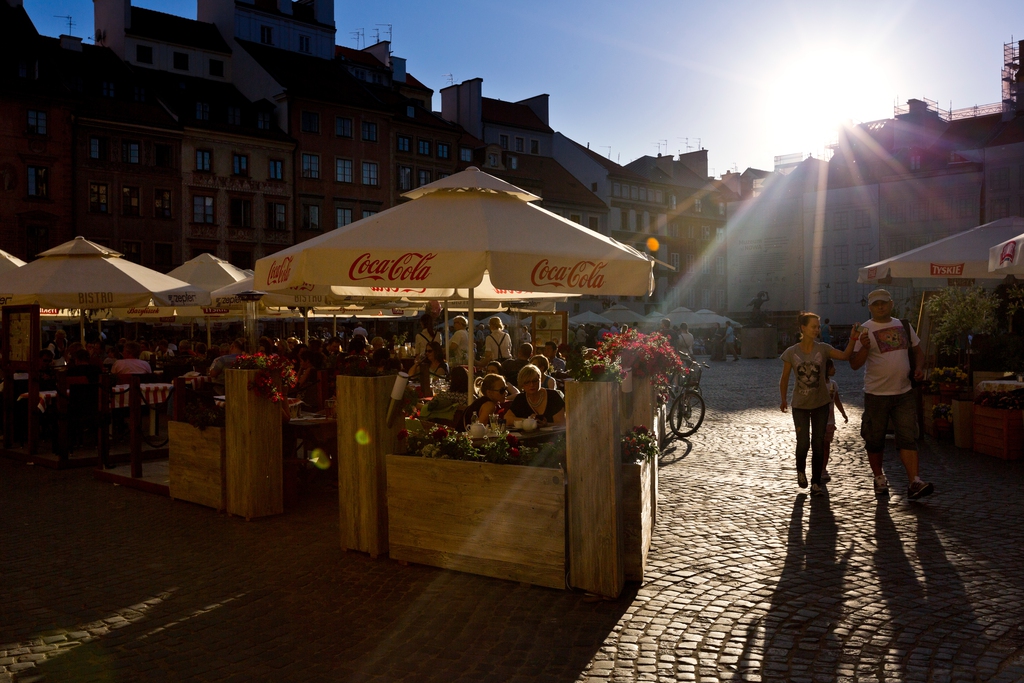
956,312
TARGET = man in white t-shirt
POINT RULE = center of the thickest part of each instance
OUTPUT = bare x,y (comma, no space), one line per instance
130,363
884,346
458,345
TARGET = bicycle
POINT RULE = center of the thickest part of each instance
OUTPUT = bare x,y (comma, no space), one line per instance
686,403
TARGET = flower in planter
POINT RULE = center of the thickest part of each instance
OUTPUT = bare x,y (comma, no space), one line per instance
942,411
639,446
403,434
273,373
951,375
647,355
1005,400
592,366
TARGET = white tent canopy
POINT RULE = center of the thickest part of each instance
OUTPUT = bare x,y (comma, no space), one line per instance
621,314
209,272
589,318
84,275
963,255
454,231
706,318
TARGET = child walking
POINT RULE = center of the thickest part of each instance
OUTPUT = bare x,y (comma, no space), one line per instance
830,429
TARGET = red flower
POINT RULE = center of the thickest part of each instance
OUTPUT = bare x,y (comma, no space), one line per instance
403,434
640,429
597,369
514,454
439,434
512,440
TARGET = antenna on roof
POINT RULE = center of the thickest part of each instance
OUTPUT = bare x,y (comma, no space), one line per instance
609,148
390,32
360,36
376,35
449,77
68,19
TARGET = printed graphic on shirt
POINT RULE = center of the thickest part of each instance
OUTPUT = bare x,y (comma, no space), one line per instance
891,339
808,375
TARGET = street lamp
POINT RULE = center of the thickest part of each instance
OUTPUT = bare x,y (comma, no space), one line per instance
251,299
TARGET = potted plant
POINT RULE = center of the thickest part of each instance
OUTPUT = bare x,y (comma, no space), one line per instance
947,381
196,454
958,311
640,451
998,428
942,414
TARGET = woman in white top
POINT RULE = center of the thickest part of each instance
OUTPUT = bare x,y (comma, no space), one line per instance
497,345
458,345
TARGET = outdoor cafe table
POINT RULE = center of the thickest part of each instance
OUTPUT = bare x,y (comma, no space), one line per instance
999,386
152,394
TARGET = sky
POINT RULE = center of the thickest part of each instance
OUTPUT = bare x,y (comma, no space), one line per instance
745,80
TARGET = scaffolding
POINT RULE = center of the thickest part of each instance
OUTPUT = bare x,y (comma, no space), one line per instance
1011,64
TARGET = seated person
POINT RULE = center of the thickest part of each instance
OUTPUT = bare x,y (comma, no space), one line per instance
307,387
494,367
222,363
542,364
130,363
82,366
492,395
446,404
535,401
432,361
511,368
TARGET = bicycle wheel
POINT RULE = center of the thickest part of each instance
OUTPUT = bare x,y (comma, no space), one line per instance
686,415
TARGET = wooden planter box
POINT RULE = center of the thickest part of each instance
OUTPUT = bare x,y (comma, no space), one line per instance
998,432
196,464
637,516
253,453
963,414
503,521
364,439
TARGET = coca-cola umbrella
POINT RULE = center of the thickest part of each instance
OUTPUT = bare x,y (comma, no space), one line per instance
456,229
1007,257
963,255
83,275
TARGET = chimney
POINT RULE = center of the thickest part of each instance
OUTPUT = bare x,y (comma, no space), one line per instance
539,106
398,69
696,162
323,11
917,107
72,43
111,19
382,51
463,104
285,7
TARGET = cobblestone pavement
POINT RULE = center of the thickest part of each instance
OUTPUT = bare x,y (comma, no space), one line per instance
750,578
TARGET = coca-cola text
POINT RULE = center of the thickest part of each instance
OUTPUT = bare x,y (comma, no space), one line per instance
409,267
279,272
582,275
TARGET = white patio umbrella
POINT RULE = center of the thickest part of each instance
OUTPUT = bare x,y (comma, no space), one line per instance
9,262
622,314
1006,258
210,273
454,231
86,276
707,318
678,315
963,255
589,318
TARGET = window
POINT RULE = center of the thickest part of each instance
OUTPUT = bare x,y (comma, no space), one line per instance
130,201
520,145
634,192
861,219
616,190
139,93
465,154
310,217
98,198
241,213
999,179
646,222
202,209
181,61
162,204
310,166
671,201
240,164
705,298
534,147
842,255
129,152
163,155
1000,209
410,111
821,296
691,298
369,173
643,194
594,223
915,165
690,231
107,89
369,131
689,263
442,175
275,170
721,208
276,216
443,150
861,254
576,218
632,220
343,170
263,120
720,299
719,234
241,258
131,251
503,141
304,44
823,258
697,206
404,143
896,246
36,122
720,265
404,178
266,35
310,122
706,232
841,221
367,213
234,116
842,290
492,160
343,127
202,111
163,256
513,162
97,148
203,160
143,54
423,147
705,264
342,217
38,181
217,68
423,177
673,260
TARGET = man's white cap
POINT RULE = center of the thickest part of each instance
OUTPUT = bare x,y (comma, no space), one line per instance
879,295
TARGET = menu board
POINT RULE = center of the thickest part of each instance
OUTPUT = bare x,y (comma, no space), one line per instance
21,337
550,327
